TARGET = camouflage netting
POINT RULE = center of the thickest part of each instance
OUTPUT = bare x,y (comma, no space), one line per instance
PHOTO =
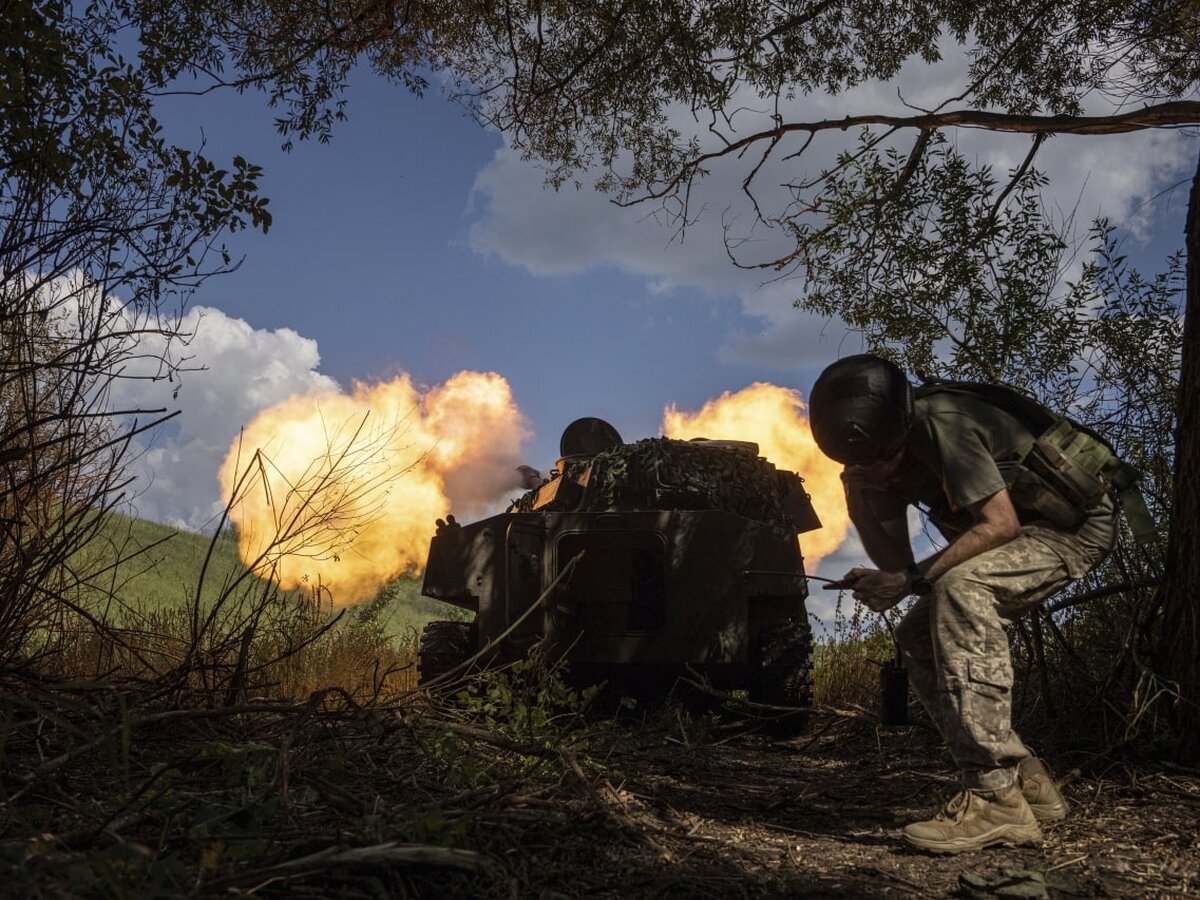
660,473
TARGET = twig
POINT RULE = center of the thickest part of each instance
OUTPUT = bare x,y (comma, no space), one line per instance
1106,591
496,740
750,704
1069,862
920,890
392,853
169,716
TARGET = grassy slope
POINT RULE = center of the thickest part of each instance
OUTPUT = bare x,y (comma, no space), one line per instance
154,565
157,566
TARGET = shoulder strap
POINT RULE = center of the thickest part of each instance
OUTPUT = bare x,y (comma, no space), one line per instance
1009,399
1023,406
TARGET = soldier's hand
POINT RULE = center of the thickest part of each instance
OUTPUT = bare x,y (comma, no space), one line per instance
879,591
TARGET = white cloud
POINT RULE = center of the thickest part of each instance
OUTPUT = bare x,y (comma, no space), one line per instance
244,370
574,231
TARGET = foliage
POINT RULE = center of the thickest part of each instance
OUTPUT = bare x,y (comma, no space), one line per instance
616,88
942,274
224,737
301,55
203,799
147,586
527,708
399,608
95,205
264,643
953,276
1133,350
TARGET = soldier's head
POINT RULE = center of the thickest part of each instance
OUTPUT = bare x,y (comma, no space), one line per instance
861,410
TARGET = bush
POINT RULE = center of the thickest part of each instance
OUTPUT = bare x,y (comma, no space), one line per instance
847,659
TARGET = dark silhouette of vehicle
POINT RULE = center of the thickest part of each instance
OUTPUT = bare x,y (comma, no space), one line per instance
638,562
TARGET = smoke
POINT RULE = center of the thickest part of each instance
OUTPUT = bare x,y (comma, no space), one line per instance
343,490
480,435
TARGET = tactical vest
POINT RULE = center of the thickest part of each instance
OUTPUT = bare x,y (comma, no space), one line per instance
1066,469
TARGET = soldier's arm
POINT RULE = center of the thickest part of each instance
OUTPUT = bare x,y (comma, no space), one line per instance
995,523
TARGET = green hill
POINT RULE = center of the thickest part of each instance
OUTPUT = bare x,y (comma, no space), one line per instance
147,566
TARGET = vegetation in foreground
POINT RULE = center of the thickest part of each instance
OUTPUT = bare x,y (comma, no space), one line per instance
511,783
246,741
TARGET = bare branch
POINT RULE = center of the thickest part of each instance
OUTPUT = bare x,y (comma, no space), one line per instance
1017,176
1174,114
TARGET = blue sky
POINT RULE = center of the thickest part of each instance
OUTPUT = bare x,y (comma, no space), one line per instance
371,254
417,242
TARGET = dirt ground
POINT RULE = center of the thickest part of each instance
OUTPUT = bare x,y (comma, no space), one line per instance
284,801
818,816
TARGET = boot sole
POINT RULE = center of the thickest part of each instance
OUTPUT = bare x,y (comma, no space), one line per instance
1006,835
1050,812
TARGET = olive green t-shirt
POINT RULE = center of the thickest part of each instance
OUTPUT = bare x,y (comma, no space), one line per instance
956,453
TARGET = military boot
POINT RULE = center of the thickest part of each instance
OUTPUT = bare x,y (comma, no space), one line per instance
977,819
1040,791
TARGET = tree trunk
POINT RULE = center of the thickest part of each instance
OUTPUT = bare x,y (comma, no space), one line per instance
1181,589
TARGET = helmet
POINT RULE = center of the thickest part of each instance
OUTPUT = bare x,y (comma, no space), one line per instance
861,409
587,437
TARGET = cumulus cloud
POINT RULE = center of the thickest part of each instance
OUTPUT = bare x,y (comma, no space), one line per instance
237,370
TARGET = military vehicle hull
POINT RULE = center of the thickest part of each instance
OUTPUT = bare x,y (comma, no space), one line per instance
629,595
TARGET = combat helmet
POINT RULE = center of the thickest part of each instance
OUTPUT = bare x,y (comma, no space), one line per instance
861,409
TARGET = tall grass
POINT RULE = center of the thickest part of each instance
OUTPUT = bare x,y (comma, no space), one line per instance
285,650
180,618
1083,676
847,656
148,567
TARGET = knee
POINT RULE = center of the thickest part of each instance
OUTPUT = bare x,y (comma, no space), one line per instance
964,617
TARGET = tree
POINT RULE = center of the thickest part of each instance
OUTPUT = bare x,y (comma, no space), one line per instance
105,227
1181,608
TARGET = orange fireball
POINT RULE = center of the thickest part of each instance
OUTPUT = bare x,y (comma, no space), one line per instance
774,418
343,490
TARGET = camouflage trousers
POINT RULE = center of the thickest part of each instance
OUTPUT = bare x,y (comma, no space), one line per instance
956,650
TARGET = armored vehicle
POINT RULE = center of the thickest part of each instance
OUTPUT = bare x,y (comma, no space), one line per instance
643,561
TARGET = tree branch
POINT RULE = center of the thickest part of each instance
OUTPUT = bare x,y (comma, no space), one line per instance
1162,115
1106,591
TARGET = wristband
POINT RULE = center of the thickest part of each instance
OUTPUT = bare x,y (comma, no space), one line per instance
917,583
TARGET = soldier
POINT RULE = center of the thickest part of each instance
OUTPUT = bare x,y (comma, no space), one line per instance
956,455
